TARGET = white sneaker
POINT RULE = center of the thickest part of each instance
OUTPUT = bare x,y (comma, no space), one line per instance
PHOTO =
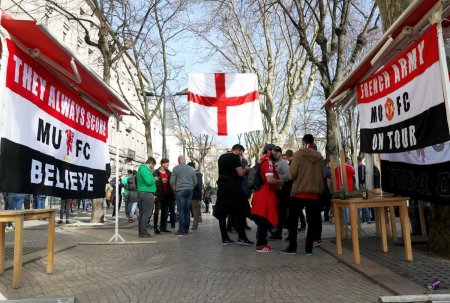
9,228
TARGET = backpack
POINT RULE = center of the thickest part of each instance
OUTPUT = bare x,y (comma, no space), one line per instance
131,184
254,180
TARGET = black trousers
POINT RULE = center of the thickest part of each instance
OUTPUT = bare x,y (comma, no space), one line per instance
156,214
164,205
326,202
263,227
282,207
313,218
240,227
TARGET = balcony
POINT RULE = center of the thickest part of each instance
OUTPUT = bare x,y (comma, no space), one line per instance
130,154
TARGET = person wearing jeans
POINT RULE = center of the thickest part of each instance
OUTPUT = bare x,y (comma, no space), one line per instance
183,181
146,185
184,204
15,202
64,208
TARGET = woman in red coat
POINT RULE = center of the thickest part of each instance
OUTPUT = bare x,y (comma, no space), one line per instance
264,203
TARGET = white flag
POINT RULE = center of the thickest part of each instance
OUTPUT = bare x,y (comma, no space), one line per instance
223,104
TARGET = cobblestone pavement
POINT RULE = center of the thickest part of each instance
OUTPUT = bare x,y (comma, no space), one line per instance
195,268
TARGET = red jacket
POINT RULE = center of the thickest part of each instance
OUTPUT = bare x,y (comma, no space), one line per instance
264,202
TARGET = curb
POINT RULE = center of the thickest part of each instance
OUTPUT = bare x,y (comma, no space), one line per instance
391,281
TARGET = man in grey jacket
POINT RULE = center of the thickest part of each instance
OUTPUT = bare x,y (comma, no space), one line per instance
183,181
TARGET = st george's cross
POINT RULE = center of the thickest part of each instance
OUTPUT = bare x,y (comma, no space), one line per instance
223,104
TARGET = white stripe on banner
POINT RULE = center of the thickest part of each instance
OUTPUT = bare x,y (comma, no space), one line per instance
24,123
412,99
439,153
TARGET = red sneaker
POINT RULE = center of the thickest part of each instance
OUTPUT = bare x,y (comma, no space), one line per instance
264,249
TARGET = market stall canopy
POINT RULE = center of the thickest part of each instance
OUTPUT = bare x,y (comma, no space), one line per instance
33,38
401,33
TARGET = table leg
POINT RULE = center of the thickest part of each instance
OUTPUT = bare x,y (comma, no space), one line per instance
2,247
18,245
388,229
337,227
404,218
355,237
51,243
393,224
382,213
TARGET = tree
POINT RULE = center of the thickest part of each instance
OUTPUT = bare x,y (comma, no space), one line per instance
152,54
343,28
252,36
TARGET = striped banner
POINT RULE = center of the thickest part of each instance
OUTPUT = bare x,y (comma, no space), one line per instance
52,142
402,106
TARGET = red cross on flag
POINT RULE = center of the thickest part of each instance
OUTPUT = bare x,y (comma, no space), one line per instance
223,104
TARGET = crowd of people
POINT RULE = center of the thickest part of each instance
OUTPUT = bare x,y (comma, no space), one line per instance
289,183
152,191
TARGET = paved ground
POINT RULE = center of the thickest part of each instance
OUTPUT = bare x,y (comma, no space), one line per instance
195,268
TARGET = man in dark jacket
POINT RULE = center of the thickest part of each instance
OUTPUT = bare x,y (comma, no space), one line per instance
307,172
196,197
164,195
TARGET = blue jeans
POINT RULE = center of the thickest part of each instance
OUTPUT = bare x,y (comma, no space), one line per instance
366,217
184,201
40,202
15,201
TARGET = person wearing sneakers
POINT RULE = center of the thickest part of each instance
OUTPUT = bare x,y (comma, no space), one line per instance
164,193
196,196
231,200
146,185
183,182
264,203
307,172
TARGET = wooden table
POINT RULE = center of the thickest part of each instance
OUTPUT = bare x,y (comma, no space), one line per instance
18,216
379,204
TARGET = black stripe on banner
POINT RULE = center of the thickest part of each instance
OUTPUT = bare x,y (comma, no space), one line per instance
426,129
422,182
25,170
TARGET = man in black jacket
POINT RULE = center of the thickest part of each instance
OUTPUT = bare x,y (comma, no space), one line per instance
164,197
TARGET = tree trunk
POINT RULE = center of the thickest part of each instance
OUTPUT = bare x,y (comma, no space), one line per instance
390,10
439,238
332,129
148,137
98,215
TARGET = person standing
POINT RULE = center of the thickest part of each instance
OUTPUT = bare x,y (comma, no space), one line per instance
264,203
39,201
283,193
113,183
289,156
307,172
207,197
183,181
126,199
164,193
196,196
15,202
350,182
230,197
146,185
64,208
